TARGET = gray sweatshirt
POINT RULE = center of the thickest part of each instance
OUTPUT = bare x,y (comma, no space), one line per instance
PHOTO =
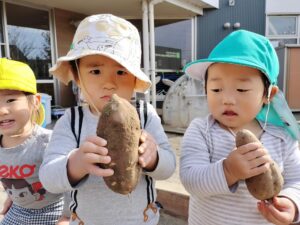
94,202
19,168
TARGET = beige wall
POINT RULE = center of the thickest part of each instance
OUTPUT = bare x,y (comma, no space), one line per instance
293,78
64,35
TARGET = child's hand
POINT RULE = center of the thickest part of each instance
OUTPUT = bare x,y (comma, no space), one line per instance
6,206
246,161
281,212
84,160
63,220
148,158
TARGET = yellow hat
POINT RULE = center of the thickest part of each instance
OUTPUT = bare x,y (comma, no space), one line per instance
18,76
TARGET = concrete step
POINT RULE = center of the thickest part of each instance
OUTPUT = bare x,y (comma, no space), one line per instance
174,199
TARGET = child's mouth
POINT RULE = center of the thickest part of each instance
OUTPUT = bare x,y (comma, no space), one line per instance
6,123
229,113
106,97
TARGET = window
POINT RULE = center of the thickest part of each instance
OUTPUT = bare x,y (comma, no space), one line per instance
173,49
282,25
25,36
283,30
29,38
173,41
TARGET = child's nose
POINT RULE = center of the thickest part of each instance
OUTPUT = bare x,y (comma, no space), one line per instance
3,110
109,81
228,99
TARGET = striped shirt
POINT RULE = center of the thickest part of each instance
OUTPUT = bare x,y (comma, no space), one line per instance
204,147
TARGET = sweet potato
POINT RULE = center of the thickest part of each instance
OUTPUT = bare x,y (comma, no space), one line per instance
266,185
119,124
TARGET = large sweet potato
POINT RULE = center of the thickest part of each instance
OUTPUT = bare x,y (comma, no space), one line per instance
266,185
119,124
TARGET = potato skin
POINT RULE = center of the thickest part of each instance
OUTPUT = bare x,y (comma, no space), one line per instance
119,124
266,185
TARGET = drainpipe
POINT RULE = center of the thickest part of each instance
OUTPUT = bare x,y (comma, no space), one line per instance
5,32
152,48
146,42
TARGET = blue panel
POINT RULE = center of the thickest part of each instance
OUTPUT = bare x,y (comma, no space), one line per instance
249,13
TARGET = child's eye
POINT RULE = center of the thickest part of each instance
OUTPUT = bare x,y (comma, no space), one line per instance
10,100
121,72
242,90
95,72
216,90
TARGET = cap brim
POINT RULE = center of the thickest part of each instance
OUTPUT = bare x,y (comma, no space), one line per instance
198,68
63,71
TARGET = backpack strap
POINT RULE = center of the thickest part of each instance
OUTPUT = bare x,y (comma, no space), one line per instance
74,204
73,117
142,110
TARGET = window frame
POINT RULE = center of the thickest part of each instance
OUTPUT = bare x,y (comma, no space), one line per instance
284,37
5,43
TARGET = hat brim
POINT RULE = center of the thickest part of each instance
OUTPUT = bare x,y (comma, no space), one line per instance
63,71
198,68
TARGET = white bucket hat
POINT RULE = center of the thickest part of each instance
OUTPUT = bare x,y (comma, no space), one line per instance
106,35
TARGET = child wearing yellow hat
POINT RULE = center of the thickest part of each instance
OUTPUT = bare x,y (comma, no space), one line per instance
22,145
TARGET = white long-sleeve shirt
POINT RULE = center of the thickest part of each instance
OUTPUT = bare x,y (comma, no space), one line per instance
212,202
95,202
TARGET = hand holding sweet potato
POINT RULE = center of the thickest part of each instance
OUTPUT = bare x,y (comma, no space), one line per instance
119,125
265,185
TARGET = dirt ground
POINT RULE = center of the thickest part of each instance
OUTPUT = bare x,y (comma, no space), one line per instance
175,141
165,219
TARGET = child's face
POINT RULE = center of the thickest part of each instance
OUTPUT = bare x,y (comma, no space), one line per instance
235,94
102,77
15,113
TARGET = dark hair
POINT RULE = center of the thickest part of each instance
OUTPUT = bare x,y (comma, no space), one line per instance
74,68
264,79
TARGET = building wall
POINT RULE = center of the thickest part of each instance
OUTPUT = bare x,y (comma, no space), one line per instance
64,35
249,13
282,7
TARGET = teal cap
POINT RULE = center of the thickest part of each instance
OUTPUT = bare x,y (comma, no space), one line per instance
243,48
249,49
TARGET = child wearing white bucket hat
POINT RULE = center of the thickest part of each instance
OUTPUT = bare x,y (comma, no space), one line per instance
22,146
104,59
240,77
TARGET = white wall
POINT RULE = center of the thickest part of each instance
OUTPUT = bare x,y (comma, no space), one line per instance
283,6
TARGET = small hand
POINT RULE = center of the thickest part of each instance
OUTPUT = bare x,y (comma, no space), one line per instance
246,161
148,158
281,212
63,221
84,160
6,206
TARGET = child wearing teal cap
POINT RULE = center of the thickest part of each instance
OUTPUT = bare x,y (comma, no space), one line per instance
240,81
